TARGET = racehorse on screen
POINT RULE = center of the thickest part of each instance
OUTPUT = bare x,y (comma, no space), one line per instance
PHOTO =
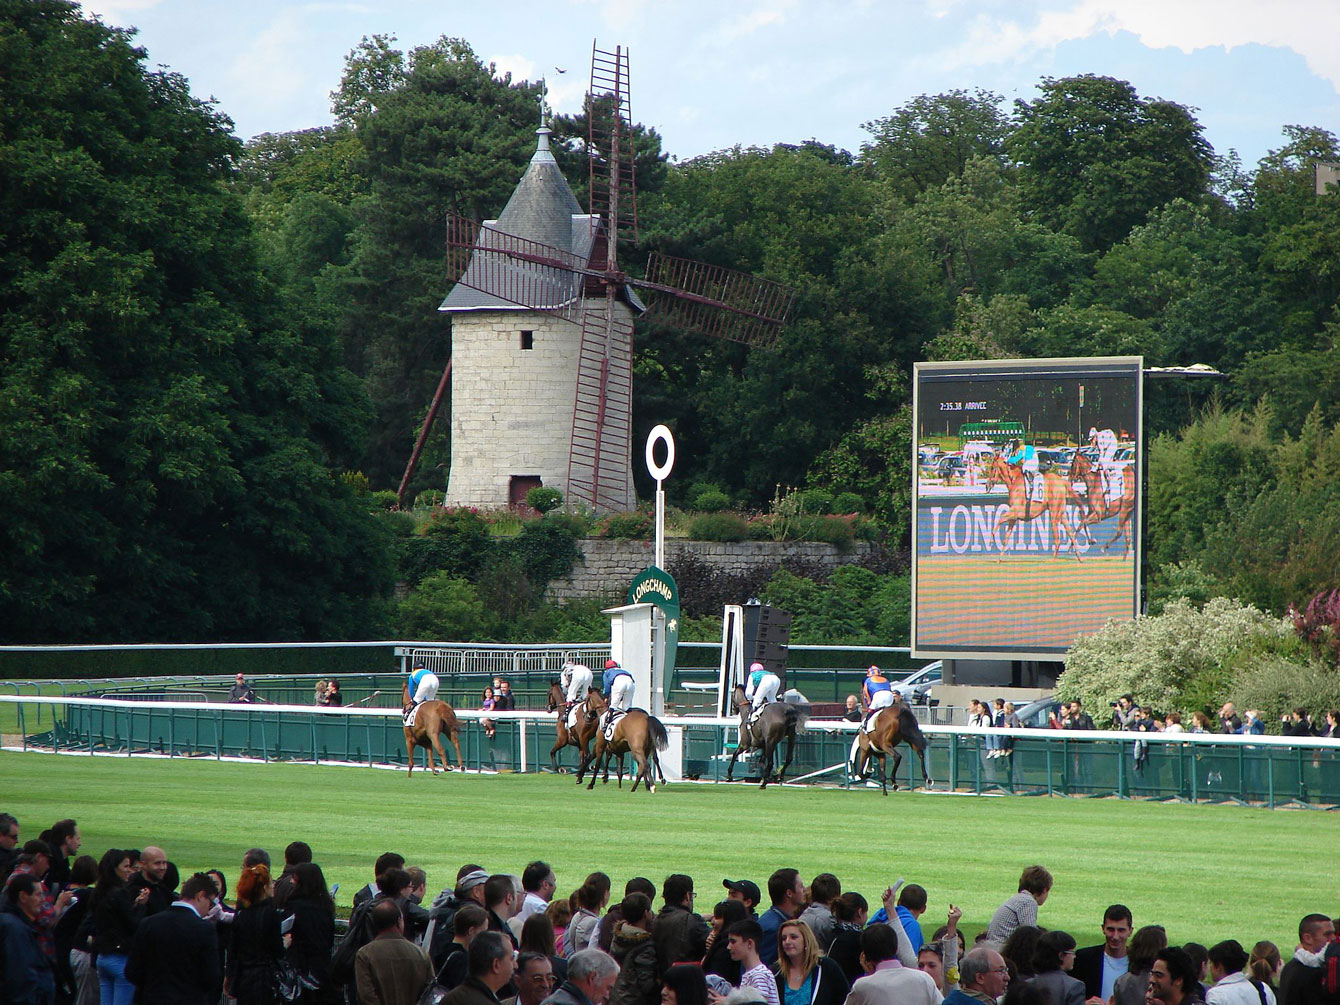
1056,492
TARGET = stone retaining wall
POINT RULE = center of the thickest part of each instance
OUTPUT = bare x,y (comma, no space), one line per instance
609,566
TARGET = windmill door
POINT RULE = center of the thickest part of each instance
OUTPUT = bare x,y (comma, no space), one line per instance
517,487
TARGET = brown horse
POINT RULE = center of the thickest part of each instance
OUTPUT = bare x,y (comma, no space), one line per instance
636,733
1056,492
893,725
580,737
433,719
1100,508
778,720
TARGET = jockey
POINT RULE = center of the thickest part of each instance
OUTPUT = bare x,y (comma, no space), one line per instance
1106,442
876,693
423,685
1026,457
576,679
618,687
761,689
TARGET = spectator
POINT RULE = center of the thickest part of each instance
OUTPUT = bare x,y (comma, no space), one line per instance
385,861
502,899
1124,712
534,976
680,935
1019,950
886,981
605,933
411,905
391,970
242,693
537,880
717,959
1174,723
9,838
804,975
312,935
684,984
1145,945
64,842
488,704
153,867
1331,731
1100,966
1010,720
1300,980
1264,964
853,712
1200,723
174,959
117,913
470,880
560,913
256,941
818,913
1296,723
591,976
319,695
850,912
1174,978
1053,956
505,700
1231,987
635,953
787,893
74,964
1035,883
995,714
1078,718
334,699
983,978
744,890
492,965
591,899
295,854
911,906
25,973
1200,956
743,942
931,961
468,923
537,936
1229,720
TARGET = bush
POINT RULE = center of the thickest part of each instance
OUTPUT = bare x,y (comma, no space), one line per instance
712,502
442,608
546,550
544,499
718,527
455,541
848,502
834,530
384,499
638,525
699,489
429,498
816,501
1276,685
358,482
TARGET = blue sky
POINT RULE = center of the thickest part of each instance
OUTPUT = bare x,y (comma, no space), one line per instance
709,75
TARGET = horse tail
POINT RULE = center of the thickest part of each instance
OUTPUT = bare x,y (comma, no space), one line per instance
659,738
910,730
797,716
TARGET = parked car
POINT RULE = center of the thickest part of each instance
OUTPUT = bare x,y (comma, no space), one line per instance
915,689
951,466
1035,714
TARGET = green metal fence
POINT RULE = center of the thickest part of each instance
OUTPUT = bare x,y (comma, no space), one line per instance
1270,771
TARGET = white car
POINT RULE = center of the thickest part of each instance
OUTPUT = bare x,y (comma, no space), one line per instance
915,689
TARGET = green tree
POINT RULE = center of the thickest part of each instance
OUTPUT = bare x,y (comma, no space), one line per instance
443,609
1095,158
166,471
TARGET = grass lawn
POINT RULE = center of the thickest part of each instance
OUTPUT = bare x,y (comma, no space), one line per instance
1204,872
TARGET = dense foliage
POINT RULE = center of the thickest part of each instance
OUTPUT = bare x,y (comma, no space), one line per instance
198,337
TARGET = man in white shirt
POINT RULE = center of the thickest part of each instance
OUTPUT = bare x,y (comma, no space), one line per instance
886,980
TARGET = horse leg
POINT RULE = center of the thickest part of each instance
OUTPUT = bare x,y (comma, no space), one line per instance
409,751
640,759
442,754
897,761
454,734
560,741
601,755
925,775
883,773
765,761
790,746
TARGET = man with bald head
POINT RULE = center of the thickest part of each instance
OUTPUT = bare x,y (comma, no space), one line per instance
153,867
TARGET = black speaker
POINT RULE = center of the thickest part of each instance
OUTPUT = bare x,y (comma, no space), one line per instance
767,631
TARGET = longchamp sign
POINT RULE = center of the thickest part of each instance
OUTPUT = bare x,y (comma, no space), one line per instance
656,586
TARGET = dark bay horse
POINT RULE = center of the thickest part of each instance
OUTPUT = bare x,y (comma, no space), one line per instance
580,736
1100,508
636,733
778,720
893,725
1056,492
433,719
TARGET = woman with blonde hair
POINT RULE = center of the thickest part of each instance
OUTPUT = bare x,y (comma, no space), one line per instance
804,975
257,944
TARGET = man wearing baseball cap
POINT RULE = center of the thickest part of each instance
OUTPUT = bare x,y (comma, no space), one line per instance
744,890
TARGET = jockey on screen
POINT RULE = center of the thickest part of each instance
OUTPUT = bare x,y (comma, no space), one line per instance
618,687
1106,442
761,689
1026,457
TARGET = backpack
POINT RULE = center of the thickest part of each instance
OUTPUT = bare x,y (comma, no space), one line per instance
1330,973
342,961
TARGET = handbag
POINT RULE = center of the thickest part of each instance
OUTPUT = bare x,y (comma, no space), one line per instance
289,984
432,994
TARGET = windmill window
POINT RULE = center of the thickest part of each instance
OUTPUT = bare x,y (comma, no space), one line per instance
527,339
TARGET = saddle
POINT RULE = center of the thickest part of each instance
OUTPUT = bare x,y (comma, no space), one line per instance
411,714
573,712
613,721
757,713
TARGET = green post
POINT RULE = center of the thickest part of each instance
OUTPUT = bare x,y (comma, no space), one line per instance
1121,774
1050,787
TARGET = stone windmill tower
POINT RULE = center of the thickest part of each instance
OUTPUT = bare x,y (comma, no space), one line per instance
542,324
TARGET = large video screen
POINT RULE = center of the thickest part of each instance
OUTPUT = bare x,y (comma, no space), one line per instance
1026,522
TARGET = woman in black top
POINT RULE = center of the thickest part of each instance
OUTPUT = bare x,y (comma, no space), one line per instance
716,960
257,944
313,932
849,916
116,915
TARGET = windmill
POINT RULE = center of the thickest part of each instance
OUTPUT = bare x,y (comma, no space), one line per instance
565,267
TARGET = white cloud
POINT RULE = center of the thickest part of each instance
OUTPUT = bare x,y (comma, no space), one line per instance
1312,30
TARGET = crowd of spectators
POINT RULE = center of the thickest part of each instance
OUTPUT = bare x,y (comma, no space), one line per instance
126,928
1129,715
